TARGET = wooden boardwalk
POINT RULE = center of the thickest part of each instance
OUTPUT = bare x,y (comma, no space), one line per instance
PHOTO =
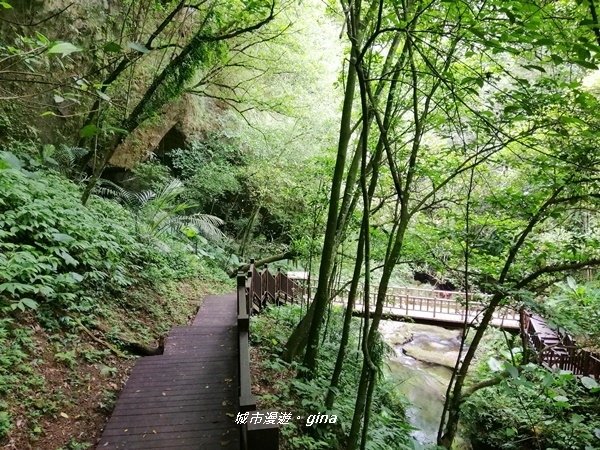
186,398
441,313
558,351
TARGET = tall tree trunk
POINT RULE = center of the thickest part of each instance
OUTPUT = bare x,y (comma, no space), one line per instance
317,309
368,370
451,426
368,401
339,362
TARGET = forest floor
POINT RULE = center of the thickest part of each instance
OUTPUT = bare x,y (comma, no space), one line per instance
67,382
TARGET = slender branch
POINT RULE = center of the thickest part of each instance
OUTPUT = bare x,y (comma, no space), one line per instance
556,268
39,22
470,390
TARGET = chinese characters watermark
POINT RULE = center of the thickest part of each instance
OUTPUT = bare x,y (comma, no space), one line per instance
282,418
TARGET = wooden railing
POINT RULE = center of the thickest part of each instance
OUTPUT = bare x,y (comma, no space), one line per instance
267,288
254,291
558,351
426,303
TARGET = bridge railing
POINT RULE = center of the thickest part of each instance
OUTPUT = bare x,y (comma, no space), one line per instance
255,290
404,300
558,351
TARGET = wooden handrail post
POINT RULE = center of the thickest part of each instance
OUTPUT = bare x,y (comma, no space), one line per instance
253,436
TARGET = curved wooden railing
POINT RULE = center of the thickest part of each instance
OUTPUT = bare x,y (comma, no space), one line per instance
557,351
255,290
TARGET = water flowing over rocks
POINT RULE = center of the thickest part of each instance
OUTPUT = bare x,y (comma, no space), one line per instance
421,364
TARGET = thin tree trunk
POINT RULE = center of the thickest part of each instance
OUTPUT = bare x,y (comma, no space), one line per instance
368,367
339,362
319,304
369,400
248,230
455,400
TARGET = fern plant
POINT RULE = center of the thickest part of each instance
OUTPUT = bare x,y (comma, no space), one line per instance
157,214
62,158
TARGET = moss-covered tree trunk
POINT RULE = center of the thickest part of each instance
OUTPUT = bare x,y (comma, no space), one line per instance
169,84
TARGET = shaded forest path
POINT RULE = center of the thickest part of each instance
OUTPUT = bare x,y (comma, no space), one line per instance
186,398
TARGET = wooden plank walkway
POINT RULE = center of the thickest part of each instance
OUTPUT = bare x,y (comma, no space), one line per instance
186,398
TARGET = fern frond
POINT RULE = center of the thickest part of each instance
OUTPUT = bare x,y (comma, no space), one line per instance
66,157
144,197
207,225
107,188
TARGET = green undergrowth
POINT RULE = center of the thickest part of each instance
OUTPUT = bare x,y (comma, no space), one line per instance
280,390
532,407
78,286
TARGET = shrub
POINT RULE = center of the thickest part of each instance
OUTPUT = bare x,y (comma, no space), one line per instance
52,245
538,409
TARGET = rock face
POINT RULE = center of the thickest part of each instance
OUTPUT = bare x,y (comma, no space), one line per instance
173,119
180,122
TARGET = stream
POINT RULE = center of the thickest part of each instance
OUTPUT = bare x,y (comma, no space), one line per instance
423,355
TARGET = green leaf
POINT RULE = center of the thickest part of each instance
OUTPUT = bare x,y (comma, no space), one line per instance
589,383
30,303
511,108
77,277
534,67
5,5
494,364
138,47
102,95
112,47
88,131
63,48
586,64
68,259
62,237
11,160
115,130
43,39
548,380
512,371
11,287
561,399
545,41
